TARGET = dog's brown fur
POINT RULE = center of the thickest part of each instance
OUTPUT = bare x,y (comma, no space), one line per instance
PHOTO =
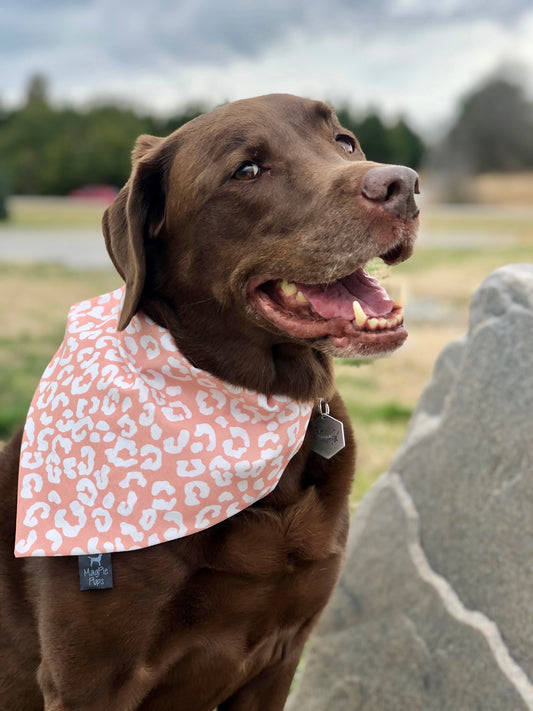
218,618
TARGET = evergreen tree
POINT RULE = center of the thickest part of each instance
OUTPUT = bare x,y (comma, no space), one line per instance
407,147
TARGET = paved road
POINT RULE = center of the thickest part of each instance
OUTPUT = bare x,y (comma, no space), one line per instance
80,248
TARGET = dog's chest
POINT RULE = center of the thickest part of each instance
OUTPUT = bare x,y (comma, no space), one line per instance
265,561
253,594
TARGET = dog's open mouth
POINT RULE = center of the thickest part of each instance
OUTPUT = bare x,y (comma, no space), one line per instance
354,314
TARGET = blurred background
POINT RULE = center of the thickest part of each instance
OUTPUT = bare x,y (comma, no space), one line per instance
446,89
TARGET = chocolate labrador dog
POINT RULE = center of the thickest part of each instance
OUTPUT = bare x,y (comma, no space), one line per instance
245,235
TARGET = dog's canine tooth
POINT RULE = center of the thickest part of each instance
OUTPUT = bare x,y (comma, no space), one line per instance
287,287
359,314
300,298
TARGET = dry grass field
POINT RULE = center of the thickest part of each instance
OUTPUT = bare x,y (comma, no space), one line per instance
458,248
515,189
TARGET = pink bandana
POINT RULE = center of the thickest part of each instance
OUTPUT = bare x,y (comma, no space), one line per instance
127,445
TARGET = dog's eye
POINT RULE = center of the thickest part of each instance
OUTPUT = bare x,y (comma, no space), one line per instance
247,171
346,143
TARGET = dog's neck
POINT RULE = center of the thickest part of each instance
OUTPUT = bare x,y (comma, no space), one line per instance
265,365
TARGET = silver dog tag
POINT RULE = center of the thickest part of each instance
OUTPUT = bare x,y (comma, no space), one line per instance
328,433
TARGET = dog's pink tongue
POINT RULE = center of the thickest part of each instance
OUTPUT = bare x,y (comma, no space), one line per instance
335,300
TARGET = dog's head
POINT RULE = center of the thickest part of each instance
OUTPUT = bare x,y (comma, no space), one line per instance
250,227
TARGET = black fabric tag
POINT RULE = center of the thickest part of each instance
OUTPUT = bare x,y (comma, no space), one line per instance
96,571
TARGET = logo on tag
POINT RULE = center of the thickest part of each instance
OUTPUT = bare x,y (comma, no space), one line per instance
96,571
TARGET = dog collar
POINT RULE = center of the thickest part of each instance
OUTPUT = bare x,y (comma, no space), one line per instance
127,445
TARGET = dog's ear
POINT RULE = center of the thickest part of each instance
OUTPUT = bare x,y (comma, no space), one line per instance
137,214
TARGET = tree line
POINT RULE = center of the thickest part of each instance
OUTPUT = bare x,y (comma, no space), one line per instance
51,150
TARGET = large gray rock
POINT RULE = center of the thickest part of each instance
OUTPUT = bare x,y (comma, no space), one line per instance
434,610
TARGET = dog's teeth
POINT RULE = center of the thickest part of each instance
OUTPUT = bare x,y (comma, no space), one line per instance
382,323
373,323
287,287
359,314
395,319
301,298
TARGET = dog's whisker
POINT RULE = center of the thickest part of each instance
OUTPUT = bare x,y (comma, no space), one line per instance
197,303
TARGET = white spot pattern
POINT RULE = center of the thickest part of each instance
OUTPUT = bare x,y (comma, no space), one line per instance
127,445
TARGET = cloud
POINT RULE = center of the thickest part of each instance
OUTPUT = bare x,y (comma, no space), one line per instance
453,10
408,56
200,31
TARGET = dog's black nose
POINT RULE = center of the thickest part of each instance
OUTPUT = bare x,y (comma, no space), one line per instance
394,187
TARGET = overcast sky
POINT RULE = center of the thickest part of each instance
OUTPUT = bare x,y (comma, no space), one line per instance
414,57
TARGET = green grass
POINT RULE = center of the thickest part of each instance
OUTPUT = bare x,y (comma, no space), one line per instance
34,301
22,362
362,403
